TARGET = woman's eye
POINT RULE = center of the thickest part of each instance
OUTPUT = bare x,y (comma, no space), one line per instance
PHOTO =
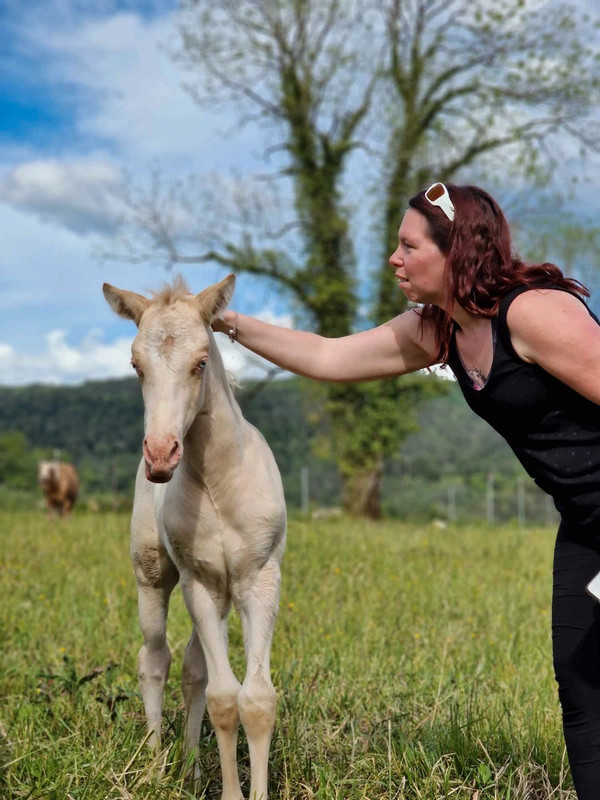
138,371
201,365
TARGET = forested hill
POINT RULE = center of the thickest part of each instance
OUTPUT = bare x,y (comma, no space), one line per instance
99,426
95,417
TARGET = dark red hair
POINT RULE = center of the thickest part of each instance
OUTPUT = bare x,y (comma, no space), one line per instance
480,264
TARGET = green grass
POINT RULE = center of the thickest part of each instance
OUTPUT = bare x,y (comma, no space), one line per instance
410,663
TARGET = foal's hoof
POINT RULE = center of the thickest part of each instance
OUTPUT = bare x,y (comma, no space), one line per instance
191,778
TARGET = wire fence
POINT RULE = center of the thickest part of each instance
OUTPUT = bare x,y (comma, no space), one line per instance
489,499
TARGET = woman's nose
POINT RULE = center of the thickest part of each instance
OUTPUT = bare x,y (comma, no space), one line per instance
395,259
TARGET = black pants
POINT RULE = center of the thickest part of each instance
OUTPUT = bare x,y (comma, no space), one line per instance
576,646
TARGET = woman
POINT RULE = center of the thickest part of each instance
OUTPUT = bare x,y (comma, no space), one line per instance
526,353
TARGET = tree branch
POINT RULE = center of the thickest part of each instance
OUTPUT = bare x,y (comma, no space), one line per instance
262,263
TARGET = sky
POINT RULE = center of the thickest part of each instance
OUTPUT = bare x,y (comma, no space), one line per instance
89,92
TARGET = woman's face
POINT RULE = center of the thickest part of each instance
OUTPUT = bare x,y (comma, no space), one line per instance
418,262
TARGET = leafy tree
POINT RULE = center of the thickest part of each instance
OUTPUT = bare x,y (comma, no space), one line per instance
507,87
457,83
455,454
18,461
572,244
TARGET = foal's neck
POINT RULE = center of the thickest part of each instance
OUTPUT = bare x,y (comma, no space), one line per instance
215,435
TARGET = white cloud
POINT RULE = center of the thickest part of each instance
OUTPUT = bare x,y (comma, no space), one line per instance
56,325
48,278
131,93
130,113
82,195
61,362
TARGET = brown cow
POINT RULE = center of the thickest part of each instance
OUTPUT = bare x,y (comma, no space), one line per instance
60,485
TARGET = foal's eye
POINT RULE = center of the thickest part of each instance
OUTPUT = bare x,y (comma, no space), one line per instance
138,371
200,366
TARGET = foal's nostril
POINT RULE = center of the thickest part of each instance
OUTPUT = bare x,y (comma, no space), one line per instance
175,454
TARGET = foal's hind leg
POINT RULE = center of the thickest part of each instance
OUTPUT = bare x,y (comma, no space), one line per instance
156,577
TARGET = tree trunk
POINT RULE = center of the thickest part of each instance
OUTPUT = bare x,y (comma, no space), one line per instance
362,493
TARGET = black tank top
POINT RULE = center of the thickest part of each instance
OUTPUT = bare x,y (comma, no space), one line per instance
553,430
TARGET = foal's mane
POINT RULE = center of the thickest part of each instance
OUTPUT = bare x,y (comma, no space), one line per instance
169,293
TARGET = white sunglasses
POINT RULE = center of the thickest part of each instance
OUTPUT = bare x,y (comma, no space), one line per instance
438,195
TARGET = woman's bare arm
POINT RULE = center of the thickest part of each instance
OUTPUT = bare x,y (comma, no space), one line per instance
394,348
552,328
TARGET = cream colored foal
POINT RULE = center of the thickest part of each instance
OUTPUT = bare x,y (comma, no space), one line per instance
209,512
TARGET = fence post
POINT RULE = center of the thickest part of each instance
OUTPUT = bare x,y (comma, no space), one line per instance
452,503
489,498
521,501
304,491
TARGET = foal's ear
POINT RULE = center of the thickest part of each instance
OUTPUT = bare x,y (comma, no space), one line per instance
126,304
214,300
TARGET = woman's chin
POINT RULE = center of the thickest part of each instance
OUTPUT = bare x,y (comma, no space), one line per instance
406,288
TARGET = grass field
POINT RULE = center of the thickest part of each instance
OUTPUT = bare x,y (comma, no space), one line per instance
410,662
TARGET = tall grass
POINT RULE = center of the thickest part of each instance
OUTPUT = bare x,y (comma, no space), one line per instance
410,662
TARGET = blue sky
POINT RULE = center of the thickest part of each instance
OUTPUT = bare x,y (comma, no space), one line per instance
88,90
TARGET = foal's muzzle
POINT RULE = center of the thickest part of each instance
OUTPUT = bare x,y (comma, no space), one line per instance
162,454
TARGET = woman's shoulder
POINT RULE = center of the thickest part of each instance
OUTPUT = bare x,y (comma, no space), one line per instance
538,316
523,300
537,297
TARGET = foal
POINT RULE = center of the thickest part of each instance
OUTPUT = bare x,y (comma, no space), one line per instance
208,512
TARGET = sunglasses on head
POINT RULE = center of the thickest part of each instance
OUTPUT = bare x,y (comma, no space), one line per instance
438,195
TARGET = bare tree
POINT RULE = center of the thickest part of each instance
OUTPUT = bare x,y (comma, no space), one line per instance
508,88
448,84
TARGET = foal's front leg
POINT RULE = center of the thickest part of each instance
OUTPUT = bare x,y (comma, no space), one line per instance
156,577
154,659
193,685
208,611
257,607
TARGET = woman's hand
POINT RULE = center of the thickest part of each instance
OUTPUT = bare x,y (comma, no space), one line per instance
225,322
